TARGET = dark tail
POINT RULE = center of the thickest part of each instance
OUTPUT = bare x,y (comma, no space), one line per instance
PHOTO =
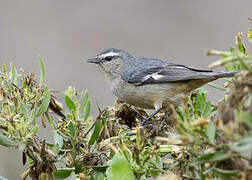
224,74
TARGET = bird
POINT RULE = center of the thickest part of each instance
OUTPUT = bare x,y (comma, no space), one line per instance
151,83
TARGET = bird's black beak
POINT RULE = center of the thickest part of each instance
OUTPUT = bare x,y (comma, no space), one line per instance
93,60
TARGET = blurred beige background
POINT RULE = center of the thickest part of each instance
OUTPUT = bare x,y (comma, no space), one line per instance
67,32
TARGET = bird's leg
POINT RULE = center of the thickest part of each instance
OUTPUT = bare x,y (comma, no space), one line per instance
150,116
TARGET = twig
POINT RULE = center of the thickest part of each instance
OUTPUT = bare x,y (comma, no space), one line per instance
92,126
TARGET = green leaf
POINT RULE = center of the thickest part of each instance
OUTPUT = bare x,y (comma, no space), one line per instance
14,77
216,86
154,172
207,110
62,173
250,36
58,139
85,100
91,177
121,169
210,131
42,70
244,65
243,145
21,147
200,101
72,129
219,156
158,161
100,168
24,109
96,132
56,149
45,102
165,148
32,116
211,157
87,110
7,142
64,136
70,104
226,173
4,68
72,176
231,49
242,48
247,118
99,176
32,132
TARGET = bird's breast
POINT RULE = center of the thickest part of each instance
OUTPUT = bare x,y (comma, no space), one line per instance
145,96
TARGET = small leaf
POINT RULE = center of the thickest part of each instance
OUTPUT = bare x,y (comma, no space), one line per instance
42,69
69,102
226,173
121,168
211,157
100,168
96,132
4,68
58,139
72,176
87,110
56,149
7,142
231,49
92,177
200,101
85,100
45,102
14,78
244,65
211,132
32,116
108,173
250,36
99,176
24,109
32,132
62,173
247,118
243,145
21,147
165,148
216,86
64,136
72,129
207,110
219,156
158,161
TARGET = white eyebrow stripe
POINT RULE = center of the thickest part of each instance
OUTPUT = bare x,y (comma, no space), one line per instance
109,54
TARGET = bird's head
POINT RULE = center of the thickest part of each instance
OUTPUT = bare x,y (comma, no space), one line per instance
111,60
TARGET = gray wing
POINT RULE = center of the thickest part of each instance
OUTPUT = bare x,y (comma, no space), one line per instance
147,72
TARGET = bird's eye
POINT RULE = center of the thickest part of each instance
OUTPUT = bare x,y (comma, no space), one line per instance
108,58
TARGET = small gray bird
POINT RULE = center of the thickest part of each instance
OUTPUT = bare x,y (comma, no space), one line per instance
151,83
